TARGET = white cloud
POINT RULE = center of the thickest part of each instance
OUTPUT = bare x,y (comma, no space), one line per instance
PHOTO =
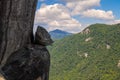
99,14
113,22
81,5
86,8
70,0
57,16
116,21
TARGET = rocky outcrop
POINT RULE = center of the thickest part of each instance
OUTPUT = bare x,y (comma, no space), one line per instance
45,37
118,65
22,57
16,24
88,39
86,31
108,46
85,55
30,62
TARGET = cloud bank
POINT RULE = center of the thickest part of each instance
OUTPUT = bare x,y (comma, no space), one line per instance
59,16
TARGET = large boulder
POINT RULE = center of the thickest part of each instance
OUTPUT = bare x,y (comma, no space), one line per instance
28,63
31,62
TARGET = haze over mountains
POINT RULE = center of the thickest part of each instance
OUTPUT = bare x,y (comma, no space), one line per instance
93,54
59,34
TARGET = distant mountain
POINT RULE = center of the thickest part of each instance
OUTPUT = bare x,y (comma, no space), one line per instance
59,34
93,54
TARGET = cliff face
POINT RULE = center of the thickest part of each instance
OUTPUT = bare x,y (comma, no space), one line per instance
30,62
22,57
16,24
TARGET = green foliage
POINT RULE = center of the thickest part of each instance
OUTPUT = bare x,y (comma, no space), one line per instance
68,60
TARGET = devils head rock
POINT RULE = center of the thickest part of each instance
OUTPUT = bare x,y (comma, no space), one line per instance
32,61
42,37
28,63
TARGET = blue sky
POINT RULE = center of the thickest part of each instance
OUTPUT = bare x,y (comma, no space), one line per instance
75,15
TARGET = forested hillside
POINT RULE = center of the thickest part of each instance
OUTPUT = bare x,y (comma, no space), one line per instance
93,54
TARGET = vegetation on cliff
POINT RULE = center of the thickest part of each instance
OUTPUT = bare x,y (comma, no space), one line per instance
92,54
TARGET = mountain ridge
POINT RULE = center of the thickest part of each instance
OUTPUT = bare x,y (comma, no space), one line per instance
92,54
59,34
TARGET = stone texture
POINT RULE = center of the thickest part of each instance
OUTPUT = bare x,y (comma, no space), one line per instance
22,57
2,77
28,63
16,24
31,62
42,37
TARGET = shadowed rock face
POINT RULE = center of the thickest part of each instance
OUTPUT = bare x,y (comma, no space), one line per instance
28,63
16,24
42,37
22,58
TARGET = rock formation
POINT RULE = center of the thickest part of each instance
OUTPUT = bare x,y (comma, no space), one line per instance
86,31
22,57
118,65
16,24
88,39
30,62
45,37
